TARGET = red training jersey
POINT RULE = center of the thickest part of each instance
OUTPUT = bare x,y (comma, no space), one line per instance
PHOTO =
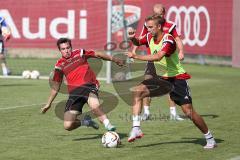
76,69
168,27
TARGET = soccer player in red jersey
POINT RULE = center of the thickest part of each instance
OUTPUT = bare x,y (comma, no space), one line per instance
170,72
81,83
168,27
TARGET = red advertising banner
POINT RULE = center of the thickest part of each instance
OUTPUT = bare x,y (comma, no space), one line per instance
37,24
205,26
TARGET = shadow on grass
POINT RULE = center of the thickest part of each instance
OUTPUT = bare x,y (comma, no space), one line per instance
200,141
89,137
210,115
97,136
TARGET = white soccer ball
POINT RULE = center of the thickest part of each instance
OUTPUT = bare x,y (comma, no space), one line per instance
110,139
35,74
26,74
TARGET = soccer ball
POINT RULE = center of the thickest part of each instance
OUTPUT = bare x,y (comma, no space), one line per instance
35,74
110,139
26,74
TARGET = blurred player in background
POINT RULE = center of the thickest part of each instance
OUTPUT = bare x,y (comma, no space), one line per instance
82,85
5,34
169,69
150,71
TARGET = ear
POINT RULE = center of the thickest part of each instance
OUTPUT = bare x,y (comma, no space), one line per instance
160,26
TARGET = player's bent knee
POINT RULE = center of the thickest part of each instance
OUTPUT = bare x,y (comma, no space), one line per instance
138,94
189,115
142,88
188,110
68,125
2,59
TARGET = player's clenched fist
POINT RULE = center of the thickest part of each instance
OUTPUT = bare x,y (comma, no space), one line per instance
131,32
45,108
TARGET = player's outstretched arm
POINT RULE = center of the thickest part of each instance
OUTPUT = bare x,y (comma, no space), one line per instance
180,47
53,93
103,56
155,57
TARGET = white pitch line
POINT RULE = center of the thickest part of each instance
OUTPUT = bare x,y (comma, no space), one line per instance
14,107
41,77
20,77
235,158
29,105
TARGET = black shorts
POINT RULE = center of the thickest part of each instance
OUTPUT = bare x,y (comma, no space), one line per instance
150,69
181,93
177,88
157,86
79,96
1,46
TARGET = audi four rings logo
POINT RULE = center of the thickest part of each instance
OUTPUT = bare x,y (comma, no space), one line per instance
182,10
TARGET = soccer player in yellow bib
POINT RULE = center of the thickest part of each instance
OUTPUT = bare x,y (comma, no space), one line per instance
150,71
169,69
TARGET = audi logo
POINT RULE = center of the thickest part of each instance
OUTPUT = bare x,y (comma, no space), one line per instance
196,26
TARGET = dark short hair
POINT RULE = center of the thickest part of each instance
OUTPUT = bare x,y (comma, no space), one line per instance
63,40
157,18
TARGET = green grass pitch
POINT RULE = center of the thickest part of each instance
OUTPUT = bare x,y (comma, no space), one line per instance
28,135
